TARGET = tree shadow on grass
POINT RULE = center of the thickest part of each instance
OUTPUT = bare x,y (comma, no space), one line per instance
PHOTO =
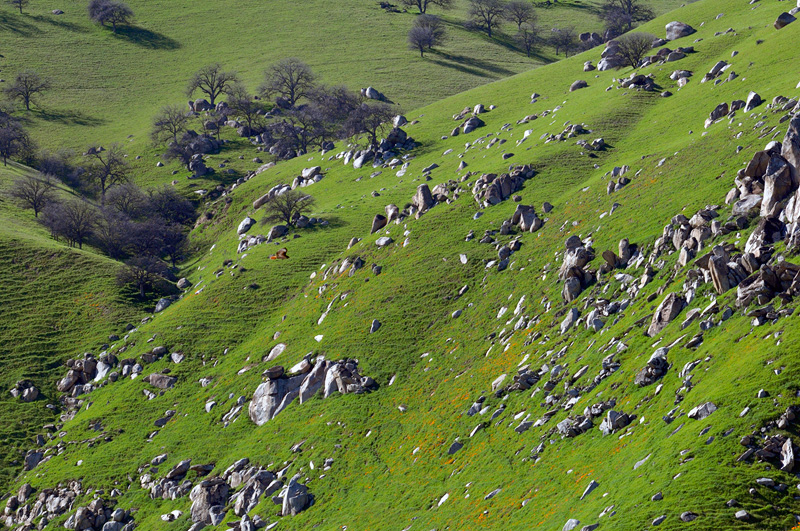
15,24
468,65
59,23
70,117
146,38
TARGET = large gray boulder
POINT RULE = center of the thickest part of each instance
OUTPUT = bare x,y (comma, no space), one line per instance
245,225
676,30
378,222
790,149
579,84
272,397
295,498
667,311
205,495
778,184
783,20
278,231
423,199
161,381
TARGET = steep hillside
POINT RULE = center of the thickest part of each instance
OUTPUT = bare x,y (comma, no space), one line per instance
53,299
517,379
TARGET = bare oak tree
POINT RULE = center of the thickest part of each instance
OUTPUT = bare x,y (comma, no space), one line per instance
519,12
143,272
486,15
33,192
564,39
287,207
291,79
422,5
169,123
107,167
110,12
14,140
528,37
25,86
73,220
634,46
246,109
620,15
19,4
428,31
369,121
212,81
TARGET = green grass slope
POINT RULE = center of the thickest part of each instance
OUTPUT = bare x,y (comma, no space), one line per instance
106,87
391,468
53,298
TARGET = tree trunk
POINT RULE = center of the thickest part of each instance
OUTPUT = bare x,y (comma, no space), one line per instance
141,290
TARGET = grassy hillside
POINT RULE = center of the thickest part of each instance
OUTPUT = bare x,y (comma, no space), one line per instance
107,87
53,299
391,468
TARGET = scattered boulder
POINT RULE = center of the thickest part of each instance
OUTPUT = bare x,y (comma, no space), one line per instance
676,30
667,311
579,84
783,20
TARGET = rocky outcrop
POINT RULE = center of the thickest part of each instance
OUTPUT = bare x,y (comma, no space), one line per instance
280,390
209,498
656,367
293,498
672,305
573,270
25,390
491,189
100,515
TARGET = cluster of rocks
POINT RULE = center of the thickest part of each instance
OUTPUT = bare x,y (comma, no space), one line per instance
491,189
469,120
657,366
25,390
573,270
613,420
775,448
525,218
384,154
570,131
83,373
304,381
198,145
100,515
174,484
598,144
723,110
639,81
611,57
590,39
666,55
212,496
25,506
627,253
716,71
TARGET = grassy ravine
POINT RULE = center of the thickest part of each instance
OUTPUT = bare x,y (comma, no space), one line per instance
379,480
